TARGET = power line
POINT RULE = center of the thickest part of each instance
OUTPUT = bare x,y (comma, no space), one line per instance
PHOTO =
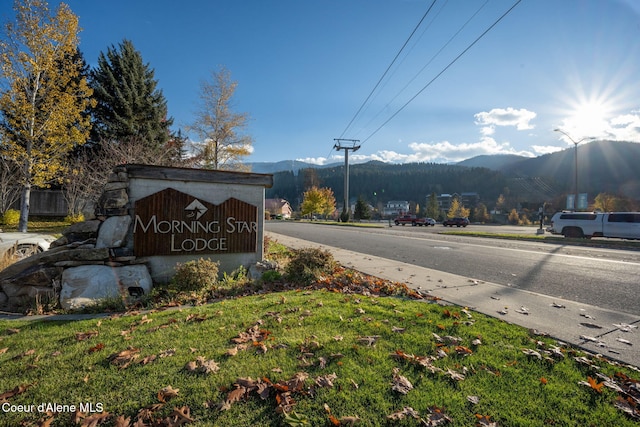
442,71
373,119
388,68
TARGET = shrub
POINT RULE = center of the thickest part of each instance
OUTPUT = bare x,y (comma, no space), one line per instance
271,276
11,217
74,218
308,265
195,275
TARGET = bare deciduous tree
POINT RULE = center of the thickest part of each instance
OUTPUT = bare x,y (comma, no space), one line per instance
89,170
222,144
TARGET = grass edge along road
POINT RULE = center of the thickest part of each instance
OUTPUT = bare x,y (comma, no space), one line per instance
306,357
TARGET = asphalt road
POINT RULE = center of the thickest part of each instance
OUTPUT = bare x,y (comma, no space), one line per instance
607,278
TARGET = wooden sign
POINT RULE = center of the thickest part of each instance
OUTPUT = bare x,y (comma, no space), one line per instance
171,222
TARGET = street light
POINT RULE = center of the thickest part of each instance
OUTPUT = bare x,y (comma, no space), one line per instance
575,143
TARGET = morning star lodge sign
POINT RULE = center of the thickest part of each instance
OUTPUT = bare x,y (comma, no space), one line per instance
171,222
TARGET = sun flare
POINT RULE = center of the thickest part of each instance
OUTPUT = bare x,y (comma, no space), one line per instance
588,120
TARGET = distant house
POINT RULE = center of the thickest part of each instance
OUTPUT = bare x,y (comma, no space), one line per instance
395,207
277,207
468,199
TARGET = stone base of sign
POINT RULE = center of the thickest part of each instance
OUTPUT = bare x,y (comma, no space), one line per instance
98,258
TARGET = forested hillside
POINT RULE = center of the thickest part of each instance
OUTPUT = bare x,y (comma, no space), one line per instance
603,167
380,182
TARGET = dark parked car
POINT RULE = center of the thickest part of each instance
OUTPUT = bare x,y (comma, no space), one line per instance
457,221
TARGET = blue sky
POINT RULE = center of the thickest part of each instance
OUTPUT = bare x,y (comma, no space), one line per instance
304,68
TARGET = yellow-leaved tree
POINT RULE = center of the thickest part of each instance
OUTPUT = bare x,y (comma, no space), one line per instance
318,200
43,94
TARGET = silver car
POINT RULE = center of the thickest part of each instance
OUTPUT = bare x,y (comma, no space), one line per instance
22,245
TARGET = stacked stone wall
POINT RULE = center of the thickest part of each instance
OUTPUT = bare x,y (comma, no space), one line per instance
92,260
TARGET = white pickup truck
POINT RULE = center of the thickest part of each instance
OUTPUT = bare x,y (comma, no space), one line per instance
623,225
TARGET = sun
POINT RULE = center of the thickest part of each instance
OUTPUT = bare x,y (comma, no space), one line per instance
588,120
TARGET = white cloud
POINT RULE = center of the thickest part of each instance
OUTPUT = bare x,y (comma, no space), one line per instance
314,160
506,117
546,149
625,127
438,152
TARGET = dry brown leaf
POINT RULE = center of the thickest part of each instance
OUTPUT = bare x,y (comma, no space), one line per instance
124,358
3,350
46,422
95,419
326,380
12,331
232,351
167,353
83,336
16,391
180,416
202,365
349,421
25,354
437,417
148,359
167,393
400,383
485,421
455,375
121,421
407,411
297,382
233,396
97,347
196,318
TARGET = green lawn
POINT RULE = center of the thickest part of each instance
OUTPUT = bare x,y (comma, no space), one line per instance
320,357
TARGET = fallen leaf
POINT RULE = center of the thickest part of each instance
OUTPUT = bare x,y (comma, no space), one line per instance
593,383
532,353
148,359
124,358
400,383
623,341
83,336
167,393
405,412
14,392
97,347
485,421
180,416
457,376
95,419
121,421
3,350
437,417
167,353
349,420
326,380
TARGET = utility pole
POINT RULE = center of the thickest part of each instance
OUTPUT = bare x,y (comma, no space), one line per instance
344,217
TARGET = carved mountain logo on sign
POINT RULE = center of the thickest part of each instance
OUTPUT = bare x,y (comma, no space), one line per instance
171,222
196,208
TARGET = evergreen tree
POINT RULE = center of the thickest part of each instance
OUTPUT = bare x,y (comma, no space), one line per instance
129,104
433,209
361,211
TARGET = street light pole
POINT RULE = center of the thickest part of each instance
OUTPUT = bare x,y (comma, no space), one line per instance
575,144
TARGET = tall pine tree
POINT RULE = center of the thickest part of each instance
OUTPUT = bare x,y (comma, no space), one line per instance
130,107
